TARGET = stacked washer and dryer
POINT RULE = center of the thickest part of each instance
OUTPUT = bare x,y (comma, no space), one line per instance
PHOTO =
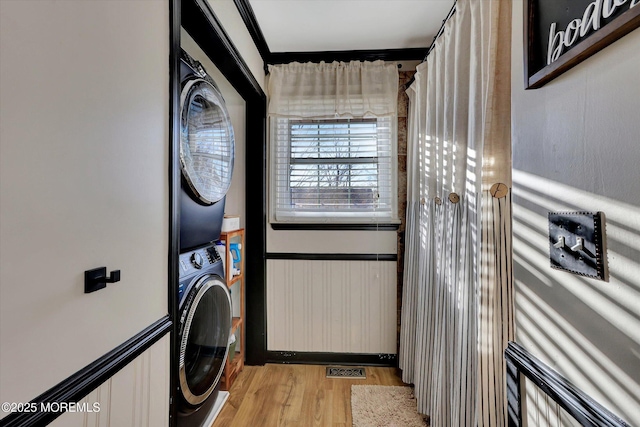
204,302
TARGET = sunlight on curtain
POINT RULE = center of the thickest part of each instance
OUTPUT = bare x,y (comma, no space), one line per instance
456,309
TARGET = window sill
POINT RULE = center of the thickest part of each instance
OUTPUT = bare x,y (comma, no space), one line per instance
386,226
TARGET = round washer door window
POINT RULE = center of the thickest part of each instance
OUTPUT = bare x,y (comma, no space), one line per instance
206,141
204,342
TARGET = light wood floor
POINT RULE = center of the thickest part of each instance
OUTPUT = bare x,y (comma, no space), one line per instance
278,395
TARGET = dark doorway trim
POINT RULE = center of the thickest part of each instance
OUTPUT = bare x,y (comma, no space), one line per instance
83,382
249,18
201,23
174,201
204,27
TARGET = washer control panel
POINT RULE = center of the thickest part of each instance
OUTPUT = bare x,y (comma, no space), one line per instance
194,262
197,260
191,262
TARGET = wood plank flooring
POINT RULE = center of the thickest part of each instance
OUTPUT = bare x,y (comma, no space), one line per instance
279,395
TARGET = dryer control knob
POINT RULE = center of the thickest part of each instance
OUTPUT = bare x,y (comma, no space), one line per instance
197,260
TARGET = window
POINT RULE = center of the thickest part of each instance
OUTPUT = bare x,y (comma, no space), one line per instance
333,142
334,170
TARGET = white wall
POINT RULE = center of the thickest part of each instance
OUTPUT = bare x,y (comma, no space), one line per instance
575,148
332,241
84,98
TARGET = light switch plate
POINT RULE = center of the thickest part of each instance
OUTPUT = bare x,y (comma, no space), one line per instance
577,244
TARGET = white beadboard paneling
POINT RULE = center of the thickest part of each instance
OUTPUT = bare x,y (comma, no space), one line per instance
540,410
125,395
159,375
331,306
137,396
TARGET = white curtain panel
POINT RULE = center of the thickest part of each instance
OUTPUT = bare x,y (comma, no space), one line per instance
456,309
332,90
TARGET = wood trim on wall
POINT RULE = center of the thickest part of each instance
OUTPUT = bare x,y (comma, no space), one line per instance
579,405
256,232
174,194
80,384
316,358
335,226
249,18
408,54
199,20
332,257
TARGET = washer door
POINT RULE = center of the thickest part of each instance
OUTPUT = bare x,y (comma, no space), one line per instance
204,340
206,141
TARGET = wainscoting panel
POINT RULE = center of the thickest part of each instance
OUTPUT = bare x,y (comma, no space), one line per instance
137,396
331,306
543,411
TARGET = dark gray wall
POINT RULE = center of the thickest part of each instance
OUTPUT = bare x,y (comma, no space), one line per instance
575,148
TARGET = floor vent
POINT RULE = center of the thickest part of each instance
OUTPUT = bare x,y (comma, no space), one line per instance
350,372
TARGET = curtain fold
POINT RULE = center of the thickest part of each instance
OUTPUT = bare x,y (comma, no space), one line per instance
456,309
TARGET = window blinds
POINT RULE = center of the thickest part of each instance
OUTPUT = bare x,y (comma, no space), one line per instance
339,169
333,141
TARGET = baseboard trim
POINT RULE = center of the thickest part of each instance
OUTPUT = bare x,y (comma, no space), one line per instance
318,358
83,382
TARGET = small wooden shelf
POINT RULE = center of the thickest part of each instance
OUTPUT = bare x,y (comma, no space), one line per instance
237,321
231,371
233,367
234,279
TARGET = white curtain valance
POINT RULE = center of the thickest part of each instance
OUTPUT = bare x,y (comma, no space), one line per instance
330,90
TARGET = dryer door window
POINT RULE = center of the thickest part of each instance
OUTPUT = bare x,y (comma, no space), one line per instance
206,141
204,339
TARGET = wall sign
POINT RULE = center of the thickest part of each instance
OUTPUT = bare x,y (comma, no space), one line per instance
559,34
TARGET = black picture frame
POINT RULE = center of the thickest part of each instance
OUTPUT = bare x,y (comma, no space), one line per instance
537,15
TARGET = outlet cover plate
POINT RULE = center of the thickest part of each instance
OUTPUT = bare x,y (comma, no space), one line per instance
589,261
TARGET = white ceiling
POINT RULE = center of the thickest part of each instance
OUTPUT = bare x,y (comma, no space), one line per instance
323,25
